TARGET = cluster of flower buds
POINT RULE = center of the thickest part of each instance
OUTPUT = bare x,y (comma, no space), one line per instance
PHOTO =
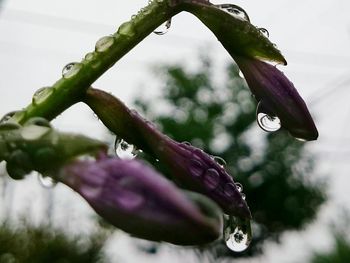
133,196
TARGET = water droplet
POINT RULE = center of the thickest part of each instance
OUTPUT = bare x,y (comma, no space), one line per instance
196,168
124,150
301,140
211,179
104,43
234,10
90,56
229,190
239,187
41,95
266,120
264,32
38,121
186,143
129,200
18,165
163,29
220,161
238,234
8,126
46,181
34,132
126,29
240,73
71,70
8,116
243,196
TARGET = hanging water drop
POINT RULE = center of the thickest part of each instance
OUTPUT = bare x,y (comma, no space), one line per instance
46,181
266,120
71,70
235,11
163,29
220,161
124,150
104,43
41,95
238,234
264,32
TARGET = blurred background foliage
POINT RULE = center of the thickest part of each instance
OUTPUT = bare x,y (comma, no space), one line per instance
27,243
275,169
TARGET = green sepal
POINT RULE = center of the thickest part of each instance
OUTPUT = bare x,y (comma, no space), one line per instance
43,148
237,35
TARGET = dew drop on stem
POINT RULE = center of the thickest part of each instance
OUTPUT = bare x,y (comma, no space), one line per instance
41,95
234,10
104,43
267,121
264,32
163,29
71,69
124,150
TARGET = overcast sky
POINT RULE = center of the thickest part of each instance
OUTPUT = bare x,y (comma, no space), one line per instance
39,37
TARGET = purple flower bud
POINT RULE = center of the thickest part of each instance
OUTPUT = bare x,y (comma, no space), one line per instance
135,198
189,166
194,169
278,97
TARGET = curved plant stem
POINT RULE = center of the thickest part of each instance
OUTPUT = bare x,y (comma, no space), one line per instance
70,89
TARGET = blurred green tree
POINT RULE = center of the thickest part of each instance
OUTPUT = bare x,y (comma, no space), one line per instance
27,243
339,254
274,168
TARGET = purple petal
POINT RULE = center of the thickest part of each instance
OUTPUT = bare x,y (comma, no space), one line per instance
278,95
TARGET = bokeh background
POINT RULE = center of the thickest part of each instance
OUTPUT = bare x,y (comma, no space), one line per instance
178,70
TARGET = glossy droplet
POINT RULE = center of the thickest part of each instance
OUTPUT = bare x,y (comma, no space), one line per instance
129,200
266,120
264,32
163,29
239,187
46,181
41,95
196,168
8,126
38,121
238,234
240,73
229,190
268,123
104,43
220,161
34,132
89,56
186,143
211,179
234,10
71,70
127,29
8,116
18,165
124,150
301,140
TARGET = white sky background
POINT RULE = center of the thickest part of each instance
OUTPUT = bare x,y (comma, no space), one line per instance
38,37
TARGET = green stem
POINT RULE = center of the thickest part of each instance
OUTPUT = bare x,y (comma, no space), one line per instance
71,88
